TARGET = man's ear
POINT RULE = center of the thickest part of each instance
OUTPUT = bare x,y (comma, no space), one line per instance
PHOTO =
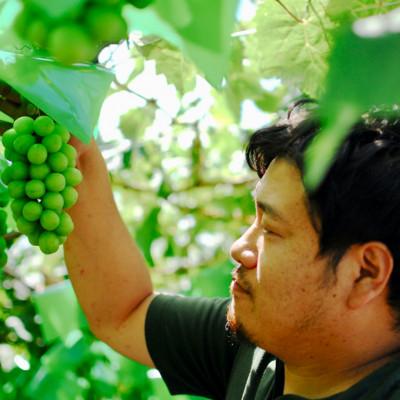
372,264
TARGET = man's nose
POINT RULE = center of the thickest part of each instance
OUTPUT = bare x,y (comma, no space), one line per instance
244,250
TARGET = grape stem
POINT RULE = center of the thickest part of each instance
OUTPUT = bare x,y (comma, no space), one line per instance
12,235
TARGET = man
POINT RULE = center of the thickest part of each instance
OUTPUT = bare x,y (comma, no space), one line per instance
314,312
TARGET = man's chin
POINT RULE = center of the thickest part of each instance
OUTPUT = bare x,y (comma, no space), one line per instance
235,326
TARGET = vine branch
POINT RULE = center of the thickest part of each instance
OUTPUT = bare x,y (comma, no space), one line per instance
295,17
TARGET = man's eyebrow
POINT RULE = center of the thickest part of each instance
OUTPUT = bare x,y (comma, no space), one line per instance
268,209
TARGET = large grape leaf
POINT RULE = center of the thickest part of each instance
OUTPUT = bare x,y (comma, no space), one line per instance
292,43
357,81
244,83
201,29
72,95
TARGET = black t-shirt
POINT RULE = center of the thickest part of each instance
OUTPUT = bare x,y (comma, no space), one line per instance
195,354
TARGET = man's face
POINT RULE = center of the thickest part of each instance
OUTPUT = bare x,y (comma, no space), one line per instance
289,295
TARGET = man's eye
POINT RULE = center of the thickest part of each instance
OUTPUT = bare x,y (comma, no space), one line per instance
266,231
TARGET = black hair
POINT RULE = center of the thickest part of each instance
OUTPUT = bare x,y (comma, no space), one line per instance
359,198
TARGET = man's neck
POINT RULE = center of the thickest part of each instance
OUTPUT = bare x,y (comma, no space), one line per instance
325,384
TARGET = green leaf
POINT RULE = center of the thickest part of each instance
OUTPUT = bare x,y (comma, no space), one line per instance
292,46
6,118
48,304
212,281
200,29
172,64
48,385
322,150
357,81
8,11
61,356
357,74
342,9
147,232
134,123
72,95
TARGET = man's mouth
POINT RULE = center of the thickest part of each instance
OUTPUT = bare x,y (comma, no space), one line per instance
238,286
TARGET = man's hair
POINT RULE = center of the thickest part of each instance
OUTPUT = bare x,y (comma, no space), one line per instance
359,199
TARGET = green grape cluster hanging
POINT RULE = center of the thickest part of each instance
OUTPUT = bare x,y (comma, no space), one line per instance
80,34
41,180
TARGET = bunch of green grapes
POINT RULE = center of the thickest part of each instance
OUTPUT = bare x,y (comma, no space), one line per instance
4,200
41,180
77,37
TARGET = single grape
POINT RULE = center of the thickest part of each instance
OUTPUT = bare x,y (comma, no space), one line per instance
4,197
16,189
6,175
39,171
106,24
32,211
73,177
21,21
55,182
63,132
66,225
34,237
48,242
71,154
19,171
70,195
8,138
36,33
49,220
53,201
58,162
37,154
12,155
24,125
24,226
43,125
35,189
52,142
23,143
17,206
69,43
